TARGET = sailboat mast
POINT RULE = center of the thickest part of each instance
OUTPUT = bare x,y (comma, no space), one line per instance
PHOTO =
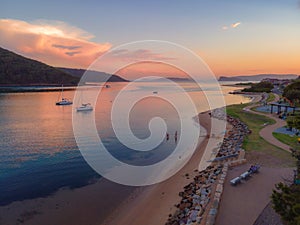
62,91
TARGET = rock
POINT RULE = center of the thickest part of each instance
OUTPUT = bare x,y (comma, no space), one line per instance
217,195
219,188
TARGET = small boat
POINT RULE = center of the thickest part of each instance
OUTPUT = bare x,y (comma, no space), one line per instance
63,101
85,107
155,92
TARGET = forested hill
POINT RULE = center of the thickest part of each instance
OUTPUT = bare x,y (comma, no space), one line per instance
93,76
16,70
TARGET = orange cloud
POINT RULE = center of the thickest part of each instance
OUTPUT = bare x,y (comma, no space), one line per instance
52,42
235,25
142,69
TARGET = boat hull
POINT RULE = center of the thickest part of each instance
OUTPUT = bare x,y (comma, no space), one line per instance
64,103
84,109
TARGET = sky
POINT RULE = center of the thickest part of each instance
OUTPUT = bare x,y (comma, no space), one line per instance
233,37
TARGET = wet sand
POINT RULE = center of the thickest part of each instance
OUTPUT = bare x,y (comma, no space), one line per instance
154,204
82,206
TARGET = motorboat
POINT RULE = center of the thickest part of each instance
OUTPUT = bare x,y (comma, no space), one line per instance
85,107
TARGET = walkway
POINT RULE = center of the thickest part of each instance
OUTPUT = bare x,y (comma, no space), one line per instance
242,204
267,132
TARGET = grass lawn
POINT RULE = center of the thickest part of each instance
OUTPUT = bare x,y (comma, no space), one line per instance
271,97
287,139
253,142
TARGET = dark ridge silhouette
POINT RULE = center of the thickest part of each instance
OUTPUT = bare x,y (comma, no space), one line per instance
258,77
93,76
16,70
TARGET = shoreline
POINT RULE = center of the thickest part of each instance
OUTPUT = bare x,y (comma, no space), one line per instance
98,204
132,205
160,199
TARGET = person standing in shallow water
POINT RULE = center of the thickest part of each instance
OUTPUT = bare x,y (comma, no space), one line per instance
167,136
175,136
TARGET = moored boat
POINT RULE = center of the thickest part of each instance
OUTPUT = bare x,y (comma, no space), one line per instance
85,107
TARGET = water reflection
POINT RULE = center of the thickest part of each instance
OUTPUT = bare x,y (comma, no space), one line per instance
38,145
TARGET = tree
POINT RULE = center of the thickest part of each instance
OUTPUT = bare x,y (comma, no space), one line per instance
263,86
286,198
292,91
297,123
290,122
292,94
293,122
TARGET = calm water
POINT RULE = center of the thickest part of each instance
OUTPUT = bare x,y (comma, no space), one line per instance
38,152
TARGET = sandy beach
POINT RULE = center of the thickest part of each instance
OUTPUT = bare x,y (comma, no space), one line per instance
154,204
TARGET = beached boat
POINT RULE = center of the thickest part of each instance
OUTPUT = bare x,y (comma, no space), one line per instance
85,107
63,101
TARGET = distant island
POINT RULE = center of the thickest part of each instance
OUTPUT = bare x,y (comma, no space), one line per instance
19,71
258,77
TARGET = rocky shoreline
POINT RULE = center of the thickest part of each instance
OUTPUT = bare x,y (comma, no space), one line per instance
200,199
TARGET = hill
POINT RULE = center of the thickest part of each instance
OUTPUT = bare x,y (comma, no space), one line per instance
16,70
263,86
258,77
94,76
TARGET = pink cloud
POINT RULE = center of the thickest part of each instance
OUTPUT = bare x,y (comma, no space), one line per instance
235,25
59,44
224,28
232,26
127,56
52,42
139,54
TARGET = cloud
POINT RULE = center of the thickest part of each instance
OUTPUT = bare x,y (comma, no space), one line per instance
138,61
139,54
66,47
224,28
235,25
72,53
52,42
59,44
232,26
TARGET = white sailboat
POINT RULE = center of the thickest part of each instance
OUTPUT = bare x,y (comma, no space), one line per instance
63,101
85,107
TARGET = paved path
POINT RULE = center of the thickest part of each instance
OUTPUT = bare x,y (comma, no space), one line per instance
242,204
267,132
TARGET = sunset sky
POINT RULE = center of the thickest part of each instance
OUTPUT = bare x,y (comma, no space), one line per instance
234,37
